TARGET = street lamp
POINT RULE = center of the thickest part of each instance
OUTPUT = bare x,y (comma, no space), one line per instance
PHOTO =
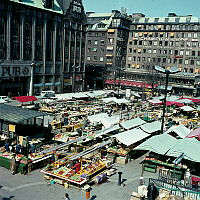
31,81
74,67
173,70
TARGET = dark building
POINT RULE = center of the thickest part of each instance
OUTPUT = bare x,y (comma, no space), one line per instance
107,36
167,42
38,34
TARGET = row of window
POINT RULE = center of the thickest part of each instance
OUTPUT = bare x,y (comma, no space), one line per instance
95,58
165,43
96,34
165,34
165,60
165,52
166,27
96,42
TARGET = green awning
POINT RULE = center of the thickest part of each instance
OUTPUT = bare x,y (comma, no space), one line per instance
17,115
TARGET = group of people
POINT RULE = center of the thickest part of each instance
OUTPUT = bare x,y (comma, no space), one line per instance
20,149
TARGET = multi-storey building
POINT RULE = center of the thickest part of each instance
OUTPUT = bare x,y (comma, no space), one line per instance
47,35
107,36
167,42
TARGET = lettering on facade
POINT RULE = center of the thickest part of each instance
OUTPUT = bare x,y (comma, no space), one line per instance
7,71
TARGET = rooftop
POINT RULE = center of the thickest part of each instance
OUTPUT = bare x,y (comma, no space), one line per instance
39,4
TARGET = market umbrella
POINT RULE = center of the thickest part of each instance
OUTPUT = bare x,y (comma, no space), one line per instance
194,133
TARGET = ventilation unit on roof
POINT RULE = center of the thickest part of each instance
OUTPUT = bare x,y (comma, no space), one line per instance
48,3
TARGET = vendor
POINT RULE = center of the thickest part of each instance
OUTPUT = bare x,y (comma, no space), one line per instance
18,148
77,167
7,146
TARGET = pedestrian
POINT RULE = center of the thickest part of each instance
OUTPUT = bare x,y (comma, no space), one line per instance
66,196
152,192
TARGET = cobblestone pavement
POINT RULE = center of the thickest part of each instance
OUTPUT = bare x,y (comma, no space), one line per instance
33,186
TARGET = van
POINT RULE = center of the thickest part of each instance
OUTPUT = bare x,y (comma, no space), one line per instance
5,98
48,93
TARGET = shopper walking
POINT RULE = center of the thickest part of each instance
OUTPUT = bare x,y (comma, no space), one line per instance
66,196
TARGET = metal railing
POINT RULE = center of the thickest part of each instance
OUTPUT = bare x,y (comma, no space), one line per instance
176,187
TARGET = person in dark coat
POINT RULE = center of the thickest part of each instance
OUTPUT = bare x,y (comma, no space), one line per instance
152,192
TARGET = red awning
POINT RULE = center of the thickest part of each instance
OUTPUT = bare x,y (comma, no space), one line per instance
23,99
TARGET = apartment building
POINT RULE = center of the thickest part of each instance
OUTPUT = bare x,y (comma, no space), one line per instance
165,41
107,36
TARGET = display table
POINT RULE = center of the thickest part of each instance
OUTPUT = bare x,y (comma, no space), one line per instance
5,162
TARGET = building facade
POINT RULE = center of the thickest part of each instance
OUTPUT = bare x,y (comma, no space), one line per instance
107,36
172,41
32,35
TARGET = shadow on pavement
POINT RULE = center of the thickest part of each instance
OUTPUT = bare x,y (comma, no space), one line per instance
93,197
7,198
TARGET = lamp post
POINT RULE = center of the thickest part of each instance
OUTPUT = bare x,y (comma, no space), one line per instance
31,81
173,70
74,67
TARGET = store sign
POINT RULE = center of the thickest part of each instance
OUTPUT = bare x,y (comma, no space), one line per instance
14,71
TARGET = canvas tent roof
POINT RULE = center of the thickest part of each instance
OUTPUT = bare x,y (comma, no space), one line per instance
158,144
131,136
128,124
97,117
180,130
109,99
17,115
109,121
151,127
120,101
194,133
188,146
107,130
187,108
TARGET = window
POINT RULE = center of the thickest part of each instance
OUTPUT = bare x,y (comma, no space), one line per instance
15,37
186,62
95,58
155,43
175,52
194,44
191,70
89,41
187,44
198,62
39,41
160,43
192,62
101,59
144,50
189,35
165,51
198,53
166,43
181,52
149,51
130,50
150,42
129,58
187,53
94,49
140,42
135,42
164,60
96,42
2,37
195,35
154,51
88,58
180,61
193,53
